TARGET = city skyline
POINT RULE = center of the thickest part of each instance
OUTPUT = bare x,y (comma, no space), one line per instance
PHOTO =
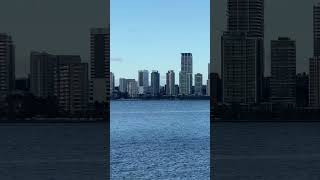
157,46
277,24
162,74
35,32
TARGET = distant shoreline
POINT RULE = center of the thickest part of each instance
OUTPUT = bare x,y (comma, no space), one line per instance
164,99
263,121
50,121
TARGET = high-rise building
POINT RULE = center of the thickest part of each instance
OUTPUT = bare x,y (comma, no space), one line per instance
208,80
246,16
198,82
123,85
302,91
132,88
112,83
7,65
143,81
241,68
45,72
62,76
185,75
61,60
155,83
42,66
216,87
314,82
73,87
314,62
266,92
208,87
170,83
316,30
242,52
100,64
283,70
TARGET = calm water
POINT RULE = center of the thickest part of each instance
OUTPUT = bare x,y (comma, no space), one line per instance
73,151
160,140
266,151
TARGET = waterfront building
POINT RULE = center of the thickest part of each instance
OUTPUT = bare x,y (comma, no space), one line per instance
283,71
198,82
72,87
316,30
112,83
42,66
143,81
132,86
170,83
7,65
99,64
123,85
185,75
242,52
302,91
155,83
314,82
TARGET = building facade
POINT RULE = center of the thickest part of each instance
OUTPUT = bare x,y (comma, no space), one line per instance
112,83
242,70
246,16
132,86
198,83
170,83
42,68
314,82
185,75
302,90
7,65
242,52
314,62
283,70
123,85
143,81
73,88
155,83
99,64
316,30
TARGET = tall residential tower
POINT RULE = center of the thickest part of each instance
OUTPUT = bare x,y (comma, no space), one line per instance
242,52
7,65
185,75
99,66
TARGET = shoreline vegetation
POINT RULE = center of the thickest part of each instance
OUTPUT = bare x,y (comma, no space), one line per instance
27,108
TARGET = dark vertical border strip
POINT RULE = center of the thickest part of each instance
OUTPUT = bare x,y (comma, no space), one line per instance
211,91
107,108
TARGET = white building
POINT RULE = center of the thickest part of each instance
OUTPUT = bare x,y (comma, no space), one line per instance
132,88
170,83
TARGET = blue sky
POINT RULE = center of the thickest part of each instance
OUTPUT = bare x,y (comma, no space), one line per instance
151,34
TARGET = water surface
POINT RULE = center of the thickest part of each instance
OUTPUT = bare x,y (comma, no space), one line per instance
48,151
160,139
